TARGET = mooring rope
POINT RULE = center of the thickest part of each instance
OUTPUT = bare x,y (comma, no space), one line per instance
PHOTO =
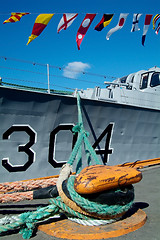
93,222
27,185
26,221
87,210
21,190
16,197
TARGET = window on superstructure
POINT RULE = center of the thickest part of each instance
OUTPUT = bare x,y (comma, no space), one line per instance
144,81
155,80
132,79
123,79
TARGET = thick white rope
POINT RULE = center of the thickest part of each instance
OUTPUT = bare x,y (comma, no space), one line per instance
95,222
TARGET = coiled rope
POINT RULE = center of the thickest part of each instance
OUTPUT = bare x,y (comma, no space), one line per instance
77,207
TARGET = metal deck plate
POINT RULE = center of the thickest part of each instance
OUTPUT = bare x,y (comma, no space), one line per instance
71,230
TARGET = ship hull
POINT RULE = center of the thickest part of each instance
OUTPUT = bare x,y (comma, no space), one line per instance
36,136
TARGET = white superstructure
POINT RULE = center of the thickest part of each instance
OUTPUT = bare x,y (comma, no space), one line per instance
136,89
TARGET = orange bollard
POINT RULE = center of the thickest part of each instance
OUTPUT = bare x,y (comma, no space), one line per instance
98,178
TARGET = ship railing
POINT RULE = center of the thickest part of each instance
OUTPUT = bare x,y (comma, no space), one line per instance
37,89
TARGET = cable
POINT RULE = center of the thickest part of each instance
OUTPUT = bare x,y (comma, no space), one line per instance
51,75
59,67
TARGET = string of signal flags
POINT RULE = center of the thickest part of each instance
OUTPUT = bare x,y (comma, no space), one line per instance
67,19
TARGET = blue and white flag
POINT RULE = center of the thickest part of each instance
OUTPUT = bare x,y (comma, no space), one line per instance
136,17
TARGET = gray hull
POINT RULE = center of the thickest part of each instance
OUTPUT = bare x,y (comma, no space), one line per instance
36,132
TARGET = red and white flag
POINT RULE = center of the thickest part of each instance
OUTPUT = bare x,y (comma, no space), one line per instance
83,28
121,22
146,26
66,20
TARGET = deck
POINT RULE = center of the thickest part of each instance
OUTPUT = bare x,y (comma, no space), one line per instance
147,195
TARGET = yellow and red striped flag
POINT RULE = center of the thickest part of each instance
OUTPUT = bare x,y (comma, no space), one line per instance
41,22
15,16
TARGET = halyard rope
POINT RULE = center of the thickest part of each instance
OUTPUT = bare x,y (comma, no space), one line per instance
76,207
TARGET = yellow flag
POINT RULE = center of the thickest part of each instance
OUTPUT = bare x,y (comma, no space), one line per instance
40,23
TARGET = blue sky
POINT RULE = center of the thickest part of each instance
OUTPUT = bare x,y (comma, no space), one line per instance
121,55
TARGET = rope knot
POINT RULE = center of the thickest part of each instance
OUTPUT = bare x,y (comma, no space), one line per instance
28,221
77,128
25,217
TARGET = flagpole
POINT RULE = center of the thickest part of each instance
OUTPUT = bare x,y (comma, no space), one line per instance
48,78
